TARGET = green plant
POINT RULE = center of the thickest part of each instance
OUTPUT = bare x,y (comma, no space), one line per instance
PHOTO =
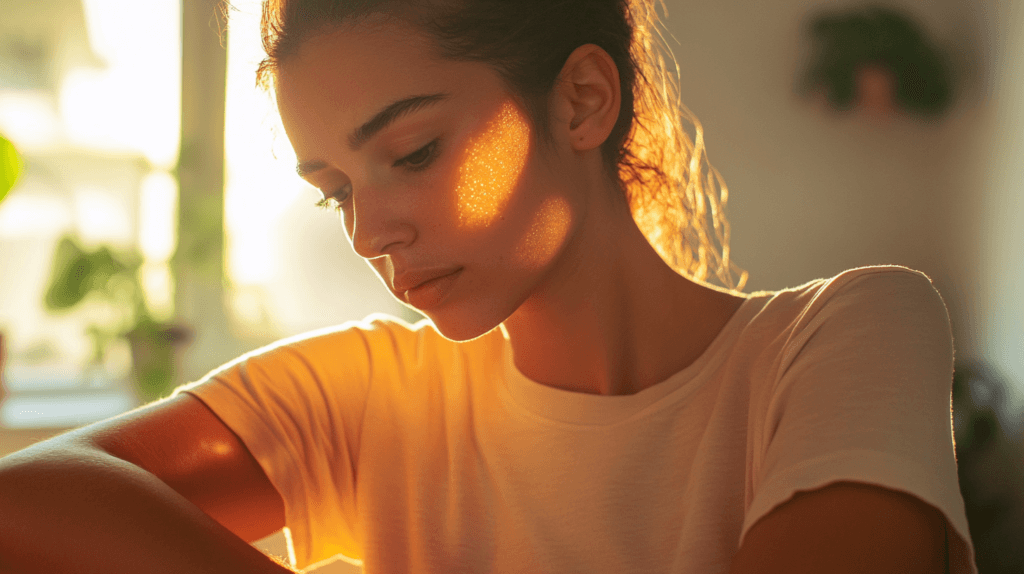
109,279
846,43
990,466
10,166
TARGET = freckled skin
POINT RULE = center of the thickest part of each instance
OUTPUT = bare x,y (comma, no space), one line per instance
475,206
546,234
491,170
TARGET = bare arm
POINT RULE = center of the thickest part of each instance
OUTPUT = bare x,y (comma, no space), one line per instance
128,495
846,528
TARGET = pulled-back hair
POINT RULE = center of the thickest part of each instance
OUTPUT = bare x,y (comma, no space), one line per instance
676,197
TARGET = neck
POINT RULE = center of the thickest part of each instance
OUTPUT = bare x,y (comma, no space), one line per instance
614,319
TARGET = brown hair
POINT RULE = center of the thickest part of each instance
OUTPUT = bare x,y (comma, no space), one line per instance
677,198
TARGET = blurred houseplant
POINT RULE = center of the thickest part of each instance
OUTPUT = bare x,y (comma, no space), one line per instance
110,280
10,166
990,464
880,59
10,170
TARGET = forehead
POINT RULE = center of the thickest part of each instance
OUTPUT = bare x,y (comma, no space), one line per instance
345,75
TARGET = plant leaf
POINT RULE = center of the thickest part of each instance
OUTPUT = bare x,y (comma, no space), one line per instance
10,166
70,276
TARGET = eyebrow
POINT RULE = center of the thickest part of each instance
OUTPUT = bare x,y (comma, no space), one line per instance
378,122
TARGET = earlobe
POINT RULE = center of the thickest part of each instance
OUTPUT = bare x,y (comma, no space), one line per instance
589,92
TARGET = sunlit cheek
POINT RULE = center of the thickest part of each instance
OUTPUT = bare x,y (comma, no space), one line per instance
546,234
494,161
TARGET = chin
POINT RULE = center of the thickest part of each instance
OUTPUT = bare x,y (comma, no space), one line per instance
461,331
465,324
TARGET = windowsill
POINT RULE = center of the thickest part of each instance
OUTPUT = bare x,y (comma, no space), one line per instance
60,409
27,417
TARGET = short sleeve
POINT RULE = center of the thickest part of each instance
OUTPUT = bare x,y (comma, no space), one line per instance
298,407
863,394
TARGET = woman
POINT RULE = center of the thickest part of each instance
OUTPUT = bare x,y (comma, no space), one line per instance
580,399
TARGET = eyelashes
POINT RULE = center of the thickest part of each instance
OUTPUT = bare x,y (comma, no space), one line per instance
334,200
418,160
421,158
329,203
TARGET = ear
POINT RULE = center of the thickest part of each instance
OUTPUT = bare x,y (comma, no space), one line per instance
587,98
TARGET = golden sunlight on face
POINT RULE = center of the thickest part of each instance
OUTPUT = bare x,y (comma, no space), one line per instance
546,234
493,164
486,205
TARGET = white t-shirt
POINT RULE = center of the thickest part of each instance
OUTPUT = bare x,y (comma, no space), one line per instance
394,446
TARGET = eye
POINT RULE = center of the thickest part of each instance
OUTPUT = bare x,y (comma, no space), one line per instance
420,158
336,199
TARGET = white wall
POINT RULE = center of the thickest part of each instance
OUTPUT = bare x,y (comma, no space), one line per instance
998,322
813,193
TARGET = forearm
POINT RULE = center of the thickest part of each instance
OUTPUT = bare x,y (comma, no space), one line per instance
76,509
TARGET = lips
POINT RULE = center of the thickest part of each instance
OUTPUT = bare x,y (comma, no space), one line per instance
412,279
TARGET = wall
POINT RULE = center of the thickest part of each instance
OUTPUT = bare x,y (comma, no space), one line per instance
813,193
998,322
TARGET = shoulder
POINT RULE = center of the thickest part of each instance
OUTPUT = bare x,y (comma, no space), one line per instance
866,285
349,349
859,394
873,298
868,335
880,283
377,332
882,301
849,309
373,345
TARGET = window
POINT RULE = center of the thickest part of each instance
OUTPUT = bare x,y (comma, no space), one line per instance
89,93
282,253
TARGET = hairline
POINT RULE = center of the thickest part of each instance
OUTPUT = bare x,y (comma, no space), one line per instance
536,105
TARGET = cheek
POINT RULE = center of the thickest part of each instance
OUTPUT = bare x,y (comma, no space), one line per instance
491,167
546,234
531,233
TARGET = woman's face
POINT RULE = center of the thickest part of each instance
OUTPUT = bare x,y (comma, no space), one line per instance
435,169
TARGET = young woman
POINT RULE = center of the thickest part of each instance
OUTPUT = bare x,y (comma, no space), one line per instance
581,399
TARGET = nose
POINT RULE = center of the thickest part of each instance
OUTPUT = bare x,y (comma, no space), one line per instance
377,224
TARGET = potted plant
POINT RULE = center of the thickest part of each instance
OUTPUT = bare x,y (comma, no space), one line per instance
110,279
877,59
10,170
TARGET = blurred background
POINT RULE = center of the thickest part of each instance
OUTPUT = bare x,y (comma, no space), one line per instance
157,229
